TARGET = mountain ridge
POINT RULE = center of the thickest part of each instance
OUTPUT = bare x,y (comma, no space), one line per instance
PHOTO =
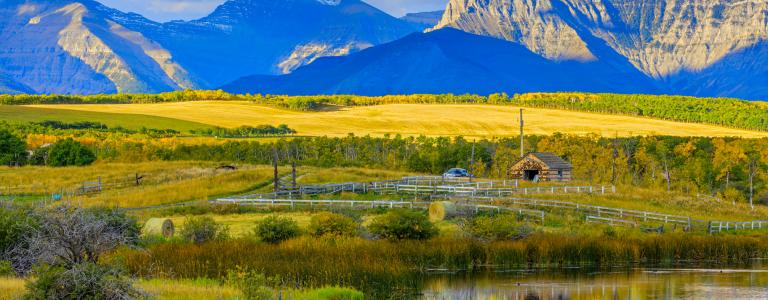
84,47
445,61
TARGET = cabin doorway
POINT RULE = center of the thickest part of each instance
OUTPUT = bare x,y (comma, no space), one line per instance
531,175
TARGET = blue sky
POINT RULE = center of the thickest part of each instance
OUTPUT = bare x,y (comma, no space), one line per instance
164,10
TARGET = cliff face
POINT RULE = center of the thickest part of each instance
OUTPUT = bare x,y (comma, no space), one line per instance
80,48
665,39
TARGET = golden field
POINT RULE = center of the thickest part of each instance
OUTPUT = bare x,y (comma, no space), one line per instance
410,119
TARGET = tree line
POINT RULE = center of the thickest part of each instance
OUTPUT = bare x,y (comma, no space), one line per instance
100,130
245,131
733,168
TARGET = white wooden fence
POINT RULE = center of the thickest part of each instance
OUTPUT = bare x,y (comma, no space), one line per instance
720,226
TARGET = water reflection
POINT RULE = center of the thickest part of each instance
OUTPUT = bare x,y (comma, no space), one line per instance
634,284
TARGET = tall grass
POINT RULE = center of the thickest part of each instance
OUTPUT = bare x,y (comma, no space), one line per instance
371,265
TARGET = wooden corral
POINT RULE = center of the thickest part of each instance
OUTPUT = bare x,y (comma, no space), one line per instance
542,167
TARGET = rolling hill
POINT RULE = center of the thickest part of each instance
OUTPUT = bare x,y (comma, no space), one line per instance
405,119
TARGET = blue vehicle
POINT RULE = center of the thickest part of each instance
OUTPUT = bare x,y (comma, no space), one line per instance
456,173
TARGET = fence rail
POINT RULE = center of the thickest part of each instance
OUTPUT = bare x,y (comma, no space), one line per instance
432,186
598,211
362,204
720,226
477,208
610,221
354,204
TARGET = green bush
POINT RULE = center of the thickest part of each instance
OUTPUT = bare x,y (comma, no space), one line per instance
15,224
70,153
499,227
6,269
275,229
13,150
83,281
403,224
203,229
332,224
253,285
331,293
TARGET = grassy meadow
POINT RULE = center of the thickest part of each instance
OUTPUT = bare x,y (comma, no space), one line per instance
134,121
405,119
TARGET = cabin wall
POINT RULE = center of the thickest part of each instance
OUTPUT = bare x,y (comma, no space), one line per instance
545,175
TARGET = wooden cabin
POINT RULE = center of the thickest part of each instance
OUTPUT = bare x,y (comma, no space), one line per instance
542,167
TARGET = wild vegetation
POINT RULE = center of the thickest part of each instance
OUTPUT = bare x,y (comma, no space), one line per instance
257,253
733,169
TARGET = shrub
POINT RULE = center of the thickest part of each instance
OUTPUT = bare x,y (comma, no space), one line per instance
331,293
14,225
83,281
70,153
498,227
332,224
64,236
6,269
275,229
252,284
403,224
120,222
733,195
13,150
203,229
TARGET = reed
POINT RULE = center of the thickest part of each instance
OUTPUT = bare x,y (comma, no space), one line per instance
370,265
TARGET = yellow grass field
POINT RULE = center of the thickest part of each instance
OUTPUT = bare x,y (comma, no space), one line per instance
414,119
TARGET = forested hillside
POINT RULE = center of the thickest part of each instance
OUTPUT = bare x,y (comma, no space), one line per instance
734,168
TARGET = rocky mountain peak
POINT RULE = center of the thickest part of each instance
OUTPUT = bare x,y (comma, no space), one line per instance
660,37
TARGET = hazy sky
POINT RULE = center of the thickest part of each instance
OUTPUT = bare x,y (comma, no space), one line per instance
164,10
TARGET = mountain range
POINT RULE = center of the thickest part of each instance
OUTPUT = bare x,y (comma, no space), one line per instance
84,47
690,47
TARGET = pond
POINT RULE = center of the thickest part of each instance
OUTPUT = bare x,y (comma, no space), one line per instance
694,283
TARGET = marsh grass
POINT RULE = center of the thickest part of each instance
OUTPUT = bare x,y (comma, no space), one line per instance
371,265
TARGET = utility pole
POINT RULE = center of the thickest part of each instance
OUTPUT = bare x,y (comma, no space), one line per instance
293,167
522,135
274,165
472,163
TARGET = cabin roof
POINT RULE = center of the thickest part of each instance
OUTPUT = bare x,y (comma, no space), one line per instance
552,160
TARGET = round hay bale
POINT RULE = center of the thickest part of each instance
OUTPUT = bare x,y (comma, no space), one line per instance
158,227
442,210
